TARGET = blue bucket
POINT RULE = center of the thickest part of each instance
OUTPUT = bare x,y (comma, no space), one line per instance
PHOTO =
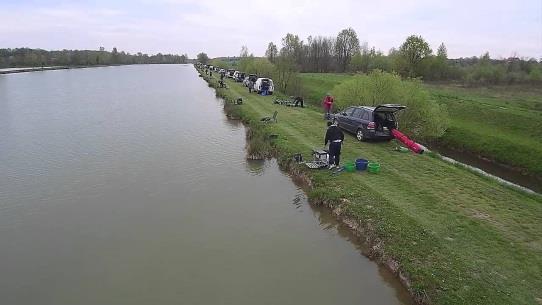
361,164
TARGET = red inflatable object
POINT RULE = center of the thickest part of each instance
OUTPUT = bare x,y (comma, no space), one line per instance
415,147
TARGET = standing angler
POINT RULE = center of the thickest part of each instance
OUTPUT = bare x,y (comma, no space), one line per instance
335,137
328,105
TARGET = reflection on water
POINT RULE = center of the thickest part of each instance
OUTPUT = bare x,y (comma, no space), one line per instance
256,167
299,200
329,223
126,185
233,123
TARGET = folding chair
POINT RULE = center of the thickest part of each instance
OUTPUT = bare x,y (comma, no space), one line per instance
268,119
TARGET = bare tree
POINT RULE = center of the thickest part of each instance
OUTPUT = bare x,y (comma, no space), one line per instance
292,47
285,71
328,48
244,51
346,45
272,52
319,54
442,52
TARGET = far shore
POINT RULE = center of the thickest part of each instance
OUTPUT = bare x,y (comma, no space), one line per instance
48,68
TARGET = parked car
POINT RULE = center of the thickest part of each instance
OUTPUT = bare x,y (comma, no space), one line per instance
264,84
222,71
369,122
239,76
230,73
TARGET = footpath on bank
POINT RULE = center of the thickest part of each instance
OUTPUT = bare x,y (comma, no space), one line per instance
450,235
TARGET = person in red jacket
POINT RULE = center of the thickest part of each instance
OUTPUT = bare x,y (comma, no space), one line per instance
328,105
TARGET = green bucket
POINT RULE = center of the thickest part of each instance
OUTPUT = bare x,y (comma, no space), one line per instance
373,167
350,167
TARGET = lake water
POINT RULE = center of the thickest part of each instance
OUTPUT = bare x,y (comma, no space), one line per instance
127,185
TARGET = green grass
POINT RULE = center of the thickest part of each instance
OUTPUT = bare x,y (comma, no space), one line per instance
503,124
316,85
460,238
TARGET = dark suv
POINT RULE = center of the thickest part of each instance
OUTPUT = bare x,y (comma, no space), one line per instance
369,122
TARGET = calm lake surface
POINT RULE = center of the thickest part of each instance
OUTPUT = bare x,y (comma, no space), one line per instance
127,185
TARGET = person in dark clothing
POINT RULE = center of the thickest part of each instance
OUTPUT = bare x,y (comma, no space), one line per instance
335,137
251,81
298,101
264,87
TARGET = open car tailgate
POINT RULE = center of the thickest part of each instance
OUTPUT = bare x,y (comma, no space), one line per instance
390,108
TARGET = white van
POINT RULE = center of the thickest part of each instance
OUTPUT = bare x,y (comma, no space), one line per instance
264,84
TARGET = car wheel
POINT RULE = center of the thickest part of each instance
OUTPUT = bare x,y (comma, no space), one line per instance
359,135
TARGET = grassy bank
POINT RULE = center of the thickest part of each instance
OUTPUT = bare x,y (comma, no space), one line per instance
458,238
503,124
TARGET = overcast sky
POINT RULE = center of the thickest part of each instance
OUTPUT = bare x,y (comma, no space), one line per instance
220,28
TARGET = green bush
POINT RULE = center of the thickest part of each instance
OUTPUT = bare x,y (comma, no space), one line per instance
423,119
260,66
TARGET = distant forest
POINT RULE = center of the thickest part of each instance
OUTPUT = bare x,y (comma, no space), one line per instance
413,58
26,57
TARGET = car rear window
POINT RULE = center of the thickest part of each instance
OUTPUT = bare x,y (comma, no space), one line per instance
357,113
349,111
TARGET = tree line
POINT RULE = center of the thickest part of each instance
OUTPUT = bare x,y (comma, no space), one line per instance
27,57
380,78
414,58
